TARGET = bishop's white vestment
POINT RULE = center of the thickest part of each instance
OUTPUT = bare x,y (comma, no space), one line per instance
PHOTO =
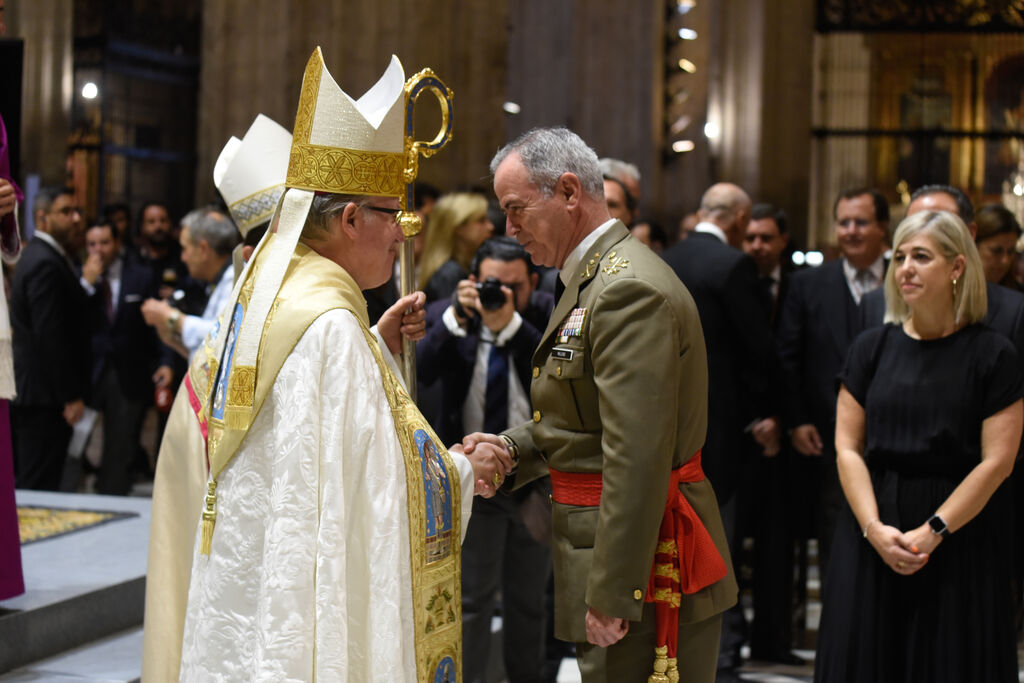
330,536
309,572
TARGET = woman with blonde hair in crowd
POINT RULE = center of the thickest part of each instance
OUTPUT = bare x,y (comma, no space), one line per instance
458,225
928,423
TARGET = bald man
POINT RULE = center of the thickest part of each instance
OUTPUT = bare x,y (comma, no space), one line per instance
723,282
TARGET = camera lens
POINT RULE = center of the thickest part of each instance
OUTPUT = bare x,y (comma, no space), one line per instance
491,296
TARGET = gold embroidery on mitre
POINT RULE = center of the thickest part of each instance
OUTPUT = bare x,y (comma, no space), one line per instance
338,170
250,211
345,171
307,97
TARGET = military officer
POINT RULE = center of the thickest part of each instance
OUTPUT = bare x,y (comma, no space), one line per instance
620,414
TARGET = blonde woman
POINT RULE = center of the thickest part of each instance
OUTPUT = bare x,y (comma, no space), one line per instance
458,226
928,423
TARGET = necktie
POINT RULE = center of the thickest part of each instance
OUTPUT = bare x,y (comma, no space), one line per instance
767,287
108,299
863,282
496,399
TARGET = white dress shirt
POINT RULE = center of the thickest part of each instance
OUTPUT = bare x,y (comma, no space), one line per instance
576,256
195,328
858,289
711,229
473,408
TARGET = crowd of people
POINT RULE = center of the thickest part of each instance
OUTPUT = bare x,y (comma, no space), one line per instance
586,371
104,320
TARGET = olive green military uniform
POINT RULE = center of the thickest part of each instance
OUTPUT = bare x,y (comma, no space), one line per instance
623,391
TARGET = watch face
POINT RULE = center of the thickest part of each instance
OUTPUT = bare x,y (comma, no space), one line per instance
936,523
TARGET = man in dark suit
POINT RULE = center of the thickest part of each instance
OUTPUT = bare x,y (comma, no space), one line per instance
481,350
819,321
765,241
1005,306
724,284
124,352
770,514
51,342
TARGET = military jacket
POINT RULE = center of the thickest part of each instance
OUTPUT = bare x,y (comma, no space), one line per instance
620,387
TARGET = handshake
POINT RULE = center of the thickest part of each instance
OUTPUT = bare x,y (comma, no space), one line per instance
493,458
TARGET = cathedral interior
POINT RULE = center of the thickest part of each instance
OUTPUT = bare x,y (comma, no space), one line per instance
129,101
792,101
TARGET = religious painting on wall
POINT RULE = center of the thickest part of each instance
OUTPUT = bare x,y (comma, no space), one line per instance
927,106
1004,113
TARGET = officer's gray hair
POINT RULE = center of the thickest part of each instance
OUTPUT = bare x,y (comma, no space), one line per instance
547,153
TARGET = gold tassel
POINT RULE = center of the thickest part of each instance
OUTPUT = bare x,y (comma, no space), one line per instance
209,518
660,666
673,672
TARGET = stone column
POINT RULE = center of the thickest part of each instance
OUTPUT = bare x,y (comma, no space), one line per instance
46,27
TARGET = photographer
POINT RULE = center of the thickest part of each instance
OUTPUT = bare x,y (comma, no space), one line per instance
480,346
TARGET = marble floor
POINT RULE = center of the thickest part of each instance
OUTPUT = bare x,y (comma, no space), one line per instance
96,576
84,594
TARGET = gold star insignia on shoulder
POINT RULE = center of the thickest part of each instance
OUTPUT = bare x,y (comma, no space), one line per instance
615,264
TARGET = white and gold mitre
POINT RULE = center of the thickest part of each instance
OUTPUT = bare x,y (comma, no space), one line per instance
250,172
339,146
347,146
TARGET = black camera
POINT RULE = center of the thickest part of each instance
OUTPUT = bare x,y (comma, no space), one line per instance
491,296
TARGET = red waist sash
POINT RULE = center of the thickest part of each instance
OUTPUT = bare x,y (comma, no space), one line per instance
685,559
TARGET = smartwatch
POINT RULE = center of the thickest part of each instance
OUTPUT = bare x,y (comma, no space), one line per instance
938,526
